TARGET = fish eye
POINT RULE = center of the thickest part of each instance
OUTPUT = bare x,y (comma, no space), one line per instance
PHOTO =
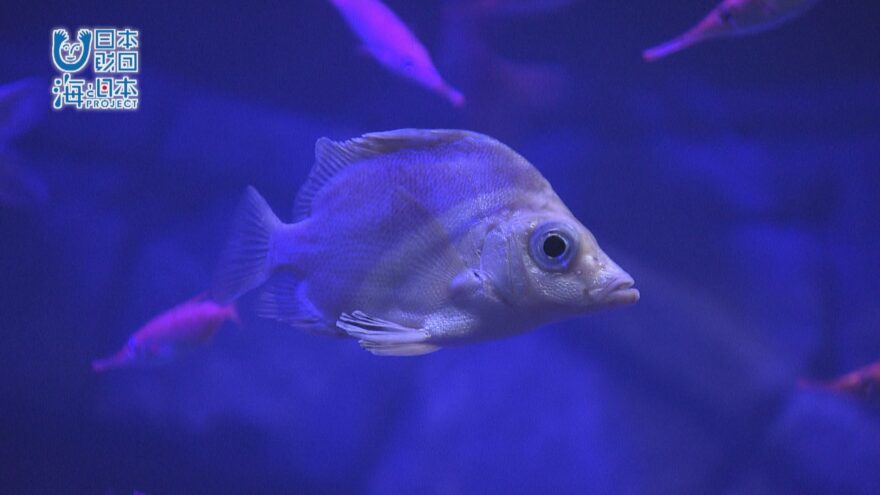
553,245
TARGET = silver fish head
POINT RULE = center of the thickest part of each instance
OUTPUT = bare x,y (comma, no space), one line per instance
552,267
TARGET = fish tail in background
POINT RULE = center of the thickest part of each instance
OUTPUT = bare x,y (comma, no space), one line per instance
245,262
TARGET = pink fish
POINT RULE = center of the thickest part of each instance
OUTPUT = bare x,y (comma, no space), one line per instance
863,383
733,18
184,327
392,44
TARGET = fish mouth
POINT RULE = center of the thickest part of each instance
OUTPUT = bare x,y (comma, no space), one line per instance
618,292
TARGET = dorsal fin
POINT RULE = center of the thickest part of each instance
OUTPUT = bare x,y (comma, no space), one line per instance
331,157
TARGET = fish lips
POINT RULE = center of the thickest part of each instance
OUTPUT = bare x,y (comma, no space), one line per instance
619,291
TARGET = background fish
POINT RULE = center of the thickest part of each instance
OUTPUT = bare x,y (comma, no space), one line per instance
391,43
414,239
22,106
863,383
20,186
163,338
733,18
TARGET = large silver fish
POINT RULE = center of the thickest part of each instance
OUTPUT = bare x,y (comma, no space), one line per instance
733,18
410,240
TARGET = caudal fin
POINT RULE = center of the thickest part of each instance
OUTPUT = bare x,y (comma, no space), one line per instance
244,264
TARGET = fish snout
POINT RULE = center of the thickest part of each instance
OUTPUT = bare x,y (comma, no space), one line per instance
619,291
614,286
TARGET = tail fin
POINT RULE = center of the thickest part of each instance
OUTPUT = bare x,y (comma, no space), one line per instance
244,264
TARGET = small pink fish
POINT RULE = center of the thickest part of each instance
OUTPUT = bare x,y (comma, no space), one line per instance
863,383
184,327
733,18
392,44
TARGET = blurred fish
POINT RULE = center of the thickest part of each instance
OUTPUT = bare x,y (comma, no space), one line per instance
391,43
23,104
733,18
863,383
410,240
20,186
184,327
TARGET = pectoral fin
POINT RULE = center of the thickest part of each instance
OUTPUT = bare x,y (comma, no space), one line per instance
474,287
383,337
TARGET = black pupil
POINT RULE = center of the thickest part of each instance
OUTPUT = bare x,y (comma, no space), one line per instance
554,246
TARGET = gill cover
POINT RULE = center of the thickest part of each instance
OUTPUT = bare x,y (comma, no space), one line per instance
502,260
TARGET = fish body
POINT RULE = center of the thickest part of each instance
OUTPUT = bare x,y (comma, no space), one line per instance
392,44
411,240
184,327
733,18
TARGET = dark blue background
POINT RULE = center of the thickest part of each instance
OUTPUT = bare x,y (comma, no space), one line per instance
738,182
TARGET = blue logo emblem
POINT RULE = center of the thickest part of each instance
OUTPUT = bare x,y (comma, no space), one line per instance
71,56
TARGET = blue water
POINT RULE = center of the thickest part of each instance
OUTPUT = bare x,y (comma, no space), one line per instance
737,182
